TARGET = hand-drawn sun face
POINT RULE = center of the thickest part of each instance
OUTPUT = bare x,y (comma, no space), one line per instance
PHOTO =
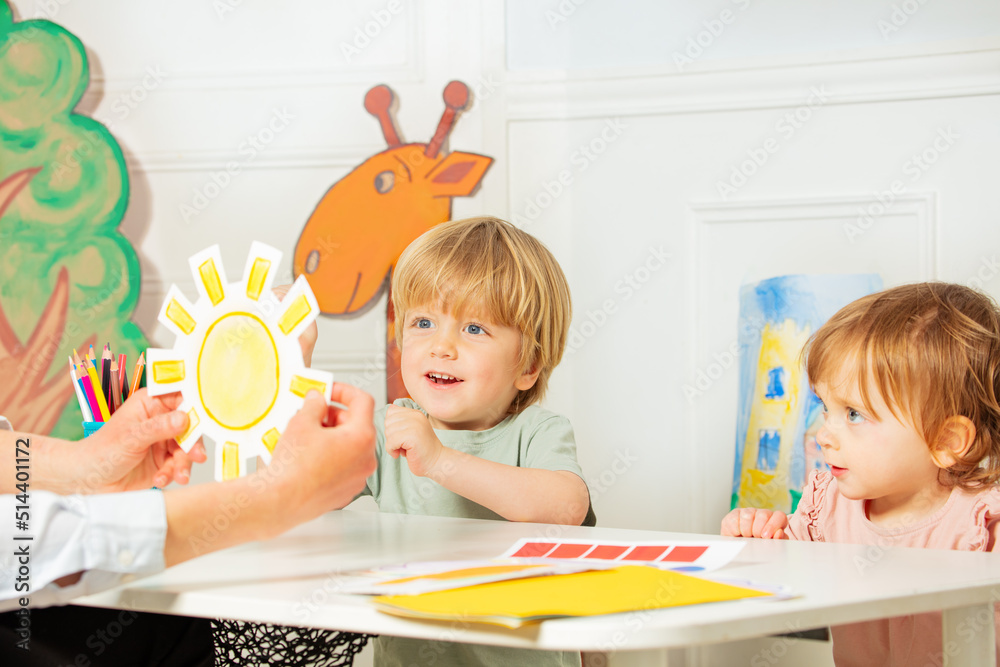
236,359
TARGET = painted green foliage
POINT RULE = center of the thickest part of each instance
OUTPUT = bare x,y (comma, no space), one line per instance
67,215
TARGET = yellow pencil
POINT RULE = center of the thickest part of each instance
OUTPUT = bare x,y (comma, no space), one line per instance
102,404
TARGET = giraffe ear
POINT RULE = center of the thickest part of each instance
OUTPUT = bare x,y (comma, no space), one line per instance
458,175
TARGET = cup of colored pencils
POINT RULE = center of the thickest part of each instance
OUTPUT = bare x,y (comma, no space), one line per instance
102,385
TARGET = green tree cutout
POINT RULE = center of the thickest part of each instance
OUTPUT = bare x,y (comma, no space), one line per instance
67,188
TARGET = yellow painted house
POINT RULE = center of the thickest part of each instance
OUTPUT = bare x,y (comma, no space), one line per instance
769,443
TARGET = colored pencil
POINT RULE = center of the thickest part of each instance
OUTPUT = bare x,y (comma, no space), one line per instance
122,373
78,390
102,403
106,380
88,389
140,364
116,392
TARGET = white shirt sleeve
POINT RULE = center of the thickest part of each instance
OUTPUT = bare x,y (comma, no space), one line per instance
111,538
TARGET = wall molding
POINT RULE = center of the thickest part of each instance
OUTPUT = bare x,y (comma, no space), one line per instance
918,208
921,207
410,71
371,362
923,72
333,157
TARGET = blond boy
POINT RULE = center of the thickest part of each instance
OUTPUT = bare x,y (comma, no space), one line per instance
482,315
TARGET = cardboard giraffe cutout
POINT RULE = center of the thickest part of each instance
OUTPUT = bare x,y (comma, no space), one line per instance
350,244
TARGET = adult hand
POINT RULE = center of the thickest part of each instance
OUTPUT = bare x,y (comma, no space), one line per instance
408,432
750,522
136,448
324,455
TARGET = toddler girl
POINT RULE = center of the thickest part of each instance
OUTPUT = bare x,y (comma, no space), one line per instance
910,382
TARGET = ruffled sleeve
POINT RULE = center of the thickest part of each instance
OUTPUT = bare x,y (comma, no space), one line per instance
984,534
806,524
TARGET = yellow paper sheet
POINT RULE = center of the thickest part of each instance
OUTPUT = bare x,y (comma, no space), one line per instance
514,603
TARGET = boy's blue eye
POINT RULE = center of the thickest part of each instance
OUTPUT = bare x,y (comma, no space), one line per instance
423,323
474,329
824,406
854,417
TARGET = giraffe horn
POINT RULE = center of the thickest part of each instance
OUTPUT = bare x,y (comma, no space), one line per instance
456,98
378,102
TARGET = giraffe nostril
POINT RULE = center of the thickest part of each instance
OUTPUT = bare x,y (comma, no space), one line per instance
312,261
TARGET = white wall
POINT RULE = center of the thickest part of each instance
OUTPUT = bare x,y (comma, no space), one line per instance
671,123
185,85
863,97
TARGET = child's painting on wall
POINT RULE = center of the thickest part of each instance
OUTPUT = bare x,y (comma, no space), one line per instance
778,414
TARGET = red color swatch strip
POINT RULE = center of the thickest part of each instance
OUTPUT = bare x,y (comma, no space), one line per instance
534,550
607,552
685,554
570,550
645,553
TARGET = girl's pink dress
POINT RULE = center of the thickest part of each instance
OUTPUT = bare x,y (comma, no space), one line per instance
968,521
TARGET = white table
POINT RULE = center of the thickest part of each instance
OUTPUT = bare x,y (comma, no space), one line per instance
294,580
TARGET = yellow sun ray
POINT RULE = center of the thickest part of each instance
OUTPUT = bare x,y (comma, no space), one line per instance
230,460
258,274
210,279
300,386
168,372
270,439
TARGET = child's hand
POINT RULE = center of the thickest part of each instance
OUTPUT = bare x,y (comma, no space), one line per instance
750,522
408,432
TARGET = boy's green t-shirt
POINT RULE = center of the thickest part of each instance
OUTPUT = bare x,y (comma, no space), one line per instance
534,438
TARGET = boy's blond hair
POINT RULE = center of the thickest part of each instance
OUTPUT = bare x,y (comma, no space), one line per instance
488,267
932,350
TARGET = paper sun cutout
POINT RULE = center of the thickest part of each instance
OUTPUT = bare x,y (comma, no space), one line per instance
236,359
